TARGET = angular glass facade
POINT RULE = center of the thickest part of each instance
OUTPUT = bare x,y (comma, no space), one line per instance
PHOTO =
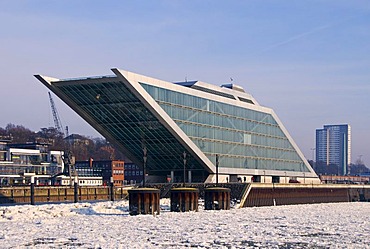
167,119
243,138
116,110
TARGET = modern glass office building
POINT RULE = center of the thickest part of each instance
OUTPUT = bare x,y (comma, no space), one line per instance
165,126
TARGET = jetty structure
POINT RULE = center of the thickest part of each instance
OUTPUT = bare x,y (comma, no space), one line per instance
187,131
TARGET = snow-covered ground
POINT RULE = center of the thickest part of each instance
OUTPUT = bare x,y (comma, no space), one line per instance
108,225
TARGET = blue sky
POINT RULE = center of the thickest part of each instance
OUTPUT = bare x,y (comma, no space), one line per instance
308,60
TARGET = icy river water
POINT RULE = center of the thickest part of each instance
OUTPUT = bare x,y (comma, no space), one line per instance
108,225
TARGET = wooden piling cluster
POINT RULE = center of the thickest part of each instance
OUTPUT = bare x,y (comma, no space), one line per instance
184,199
217,198
144,201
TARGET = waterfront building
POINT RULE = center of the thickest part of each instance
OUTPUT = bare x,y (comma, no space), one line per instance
19,161
333,146
187,129
123,173
63,180
133,173
3,143
106,169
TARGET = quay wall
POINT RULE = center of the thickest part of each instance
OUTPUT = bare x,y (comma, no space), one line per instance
248,194
259,194
47,194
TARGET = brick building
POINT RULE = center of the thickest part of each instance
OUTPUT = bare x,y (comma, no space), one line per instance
104,168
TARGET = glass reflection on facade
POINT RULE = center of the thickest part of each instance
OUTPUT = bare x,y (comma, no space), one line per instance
242,137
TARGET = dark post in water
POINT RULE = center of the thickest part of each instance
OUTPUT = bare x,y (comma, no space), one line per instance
32,190
111,189
75,190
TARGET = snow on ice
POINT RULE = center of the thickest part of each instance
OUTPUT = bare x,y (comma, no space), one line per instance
108,225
